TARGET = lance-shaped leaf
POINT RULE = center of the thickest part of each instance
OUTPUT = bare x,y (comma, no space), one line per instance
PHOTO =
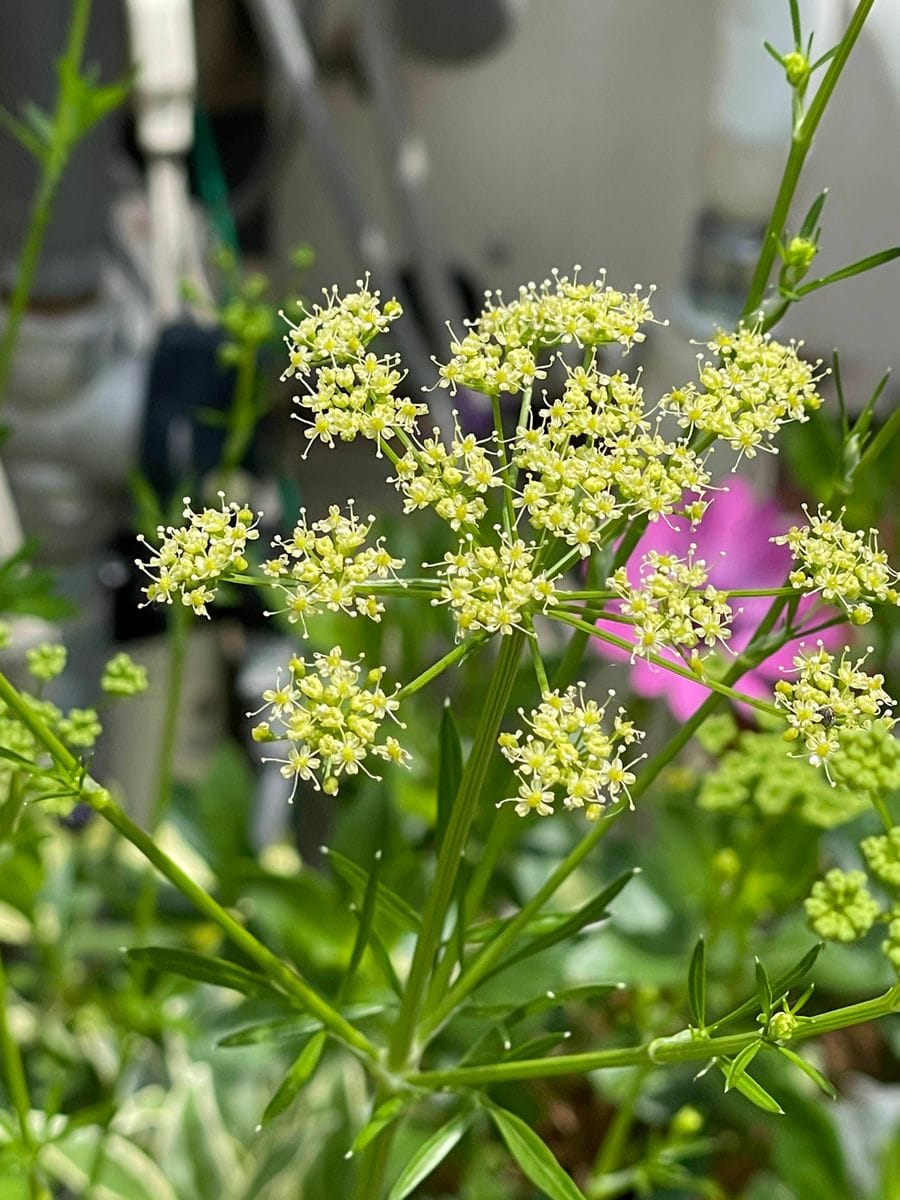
809,1070
697,984
857,268
284,1029
365,917
25,135
763,990
300,1072
753,1091
537,1047
533,1156
430,1155
387,902
450,768
780,987
740,1063
206,969
383,1116
573,924
512,1013
810,226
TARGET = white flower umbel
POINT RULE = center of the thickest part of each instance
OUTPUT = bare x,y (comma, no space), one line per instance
494,588
828,697
331,720
191,559
327,565
673,605
499,353
845,565
567,754
757,386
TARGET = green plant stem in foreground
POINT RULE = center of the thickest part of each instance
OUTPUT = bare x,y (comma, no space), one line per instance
453,845
17,1087
801,141
682,1048
89,791
58,149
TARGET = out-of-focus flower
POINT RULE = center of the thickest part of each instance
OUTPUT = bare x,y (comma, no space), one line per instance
733,538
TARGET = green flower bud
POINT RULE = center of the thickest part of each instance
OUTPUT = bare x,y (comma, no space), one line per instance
796,68
80,727
891,945
840,908
123,677
782,1026
46,661
883,856
799,253
687,1122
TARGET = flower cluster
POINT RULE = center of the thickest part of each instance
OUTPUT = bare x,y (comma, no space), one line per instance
192,558
46,661
338,332
453,481
757,386
826,699
358,398
883,856
499,352
330,720
595,457
846,566
567,753
492,588
840,907
122,676
327,565
674,605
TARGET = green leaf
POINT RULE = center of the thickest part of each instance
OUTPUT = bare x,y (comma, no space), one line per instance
740,1063
450,768
882,439
364,928
512,1013
86,102
537,1047
780,987
430,1155
763,990
383,1116
40,122
299,1074
795,25
754,1092
697,984
857,268
388,903
534,1158
25,136
811,220
591,912
206,969
283,1029
809,1070
383,959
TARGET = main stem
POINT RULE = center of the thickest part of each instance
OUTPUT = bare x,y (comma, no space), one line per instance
453,845
801,142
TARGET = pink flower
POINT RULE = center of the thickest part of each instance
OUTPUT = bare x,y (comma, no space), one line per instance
740,525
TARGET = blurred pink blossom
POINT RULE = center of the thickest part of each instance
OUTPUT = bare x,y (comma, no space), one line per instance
741,525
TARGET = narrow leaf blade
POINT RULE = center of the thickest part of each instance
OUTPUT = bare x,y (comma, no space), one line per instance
857,268
205,969
430,1155
810,1071
450,764
533,1156
300,1072
388,903
380,1119
697,984
740,1063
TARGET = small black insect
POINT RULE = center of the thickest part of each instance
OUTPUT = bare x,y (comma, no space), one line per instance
826,716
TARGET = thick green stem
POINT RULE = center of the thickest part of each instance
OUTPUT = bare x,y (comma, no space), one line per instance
681,1048
800,145
453,845
56,157
243,415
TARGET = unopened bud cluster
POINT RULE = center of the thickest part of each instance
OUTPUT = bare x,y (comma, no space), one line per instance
566,754
845,565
